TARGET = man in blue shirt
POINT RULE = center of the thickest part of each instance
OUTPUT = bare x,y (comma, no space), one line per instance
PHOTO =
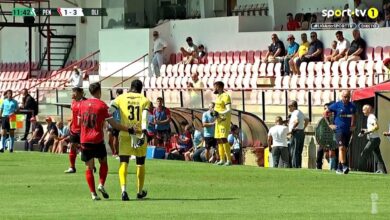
8,108
291,51
344,123
208,122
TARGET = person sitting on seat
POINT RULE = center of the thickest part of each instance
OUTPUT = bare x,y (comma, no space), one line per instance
184,140
201,59
37,133
276,51
191,53
62,140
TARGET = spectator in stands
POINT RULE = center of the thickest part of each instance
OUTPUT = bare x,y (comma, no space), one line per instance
386,22
62,139
37,133
208,123
313,19
341,48
374,140
76,80
8,108
184,140
357,50
360,5
159,46
302,51
162,119
52,133
291,51
344,124
237,140
292,24
30,107
276,50
201,58
296,126
195,85
315,52
191,53
306,22
277,143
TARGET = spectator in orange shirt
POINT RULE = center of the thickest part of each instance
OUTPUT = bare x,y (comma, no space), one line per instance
292,24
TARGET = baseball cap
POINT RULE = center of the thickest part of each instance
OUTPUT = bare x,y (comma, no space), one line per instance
290,36
48,118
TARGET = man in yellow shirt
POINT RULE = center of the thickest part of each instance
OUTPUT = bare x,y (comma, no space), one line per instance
222,112
133,110
302,51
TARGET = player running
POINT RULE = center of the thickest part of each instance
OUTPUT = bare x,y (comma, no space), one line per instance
93,113
133,109
222,111
74,138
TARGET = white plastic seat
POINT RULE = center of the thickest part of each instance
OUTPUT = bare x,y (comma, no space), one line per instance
270,70
263,69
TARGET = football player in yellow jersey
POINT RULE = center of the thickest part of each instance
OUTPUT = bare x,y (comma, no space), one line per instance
222,112
133,110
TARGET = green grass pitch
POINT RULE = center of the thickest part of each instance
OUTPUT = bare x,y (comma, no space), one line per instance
33,186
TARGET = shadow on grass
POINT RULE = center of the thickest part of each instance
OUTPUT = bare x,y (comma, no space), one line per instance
176,199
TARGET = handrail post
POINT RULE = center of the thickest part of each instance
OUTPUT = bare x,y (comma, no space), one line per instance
243,100
263,103
202,98
240,139
334,95
58,110
163,96
181,98
310,107
286,102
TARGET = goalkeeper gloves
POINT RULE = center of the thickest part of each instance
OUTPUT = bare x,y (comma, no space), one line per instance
141,140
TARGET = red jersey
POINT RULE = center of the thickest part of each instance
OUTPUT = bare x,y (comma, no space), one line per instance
74,124
293,25
93,113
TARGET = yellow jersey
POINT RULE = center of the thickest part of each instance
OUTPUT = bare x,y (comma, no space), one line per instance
130,107
303,48
221,101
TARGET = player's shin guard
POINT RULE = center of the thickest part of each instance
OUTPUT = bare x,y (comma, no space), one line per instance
221,151
226,146
103,173
123,175
90,180
140,177
72,157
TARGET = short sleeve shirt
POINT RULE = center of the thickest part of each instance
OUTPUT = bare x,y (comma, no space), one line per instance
355,45
275,46
314,46
9,107
342,45
342,116
303,48
207,118
292,48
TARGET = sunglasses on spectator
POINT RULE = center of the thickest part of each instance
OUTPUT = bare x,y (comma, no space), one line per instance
312,35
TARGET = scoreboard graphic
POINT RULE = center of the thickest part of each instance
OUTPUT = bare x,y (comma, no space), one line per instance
71,12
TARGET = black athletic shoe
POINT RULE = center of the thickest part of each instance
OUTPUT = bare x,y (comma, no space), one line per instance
125,197
103,192
1,150
11,150
142,195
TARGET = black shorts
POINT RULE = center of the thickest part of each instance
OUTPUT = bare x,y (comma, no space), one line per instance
115,133
342,139
5,124
210,142
90,151
74,138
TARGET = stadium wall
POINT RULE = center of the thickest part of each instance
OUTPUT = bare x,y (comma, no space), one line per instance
119,47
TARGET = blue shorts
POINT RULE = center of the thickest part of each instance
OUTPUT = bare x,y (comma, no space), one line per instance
342,139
